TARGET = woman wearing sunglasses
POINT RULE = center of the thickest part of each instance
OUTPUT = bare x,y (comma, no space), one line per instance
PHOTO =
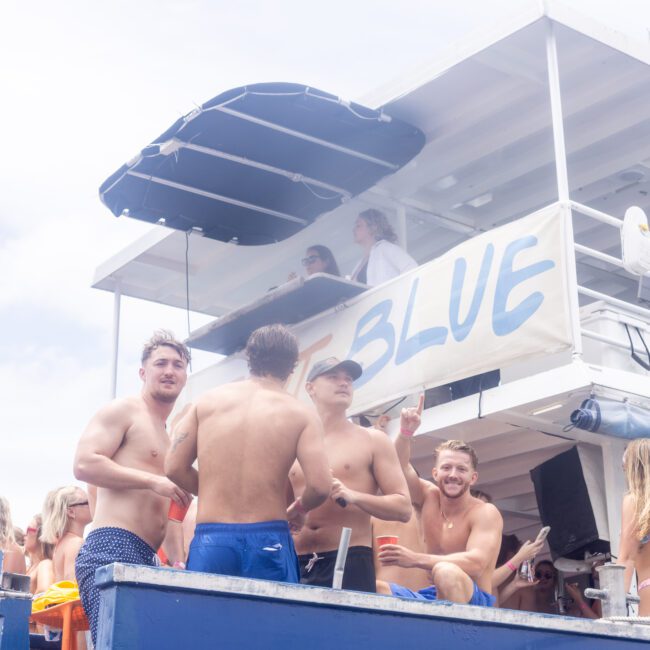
65,515
39,554
634,551
318,259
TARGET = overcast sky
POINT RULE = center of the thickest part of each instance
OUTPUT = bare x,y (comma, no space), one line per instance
85,85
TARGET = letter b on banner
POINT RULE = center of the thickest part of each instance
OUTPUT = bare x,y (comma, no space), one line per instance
381,330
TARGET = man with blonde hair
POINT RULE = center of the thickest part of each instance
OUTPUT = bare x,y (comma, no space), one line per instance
122,452
462,533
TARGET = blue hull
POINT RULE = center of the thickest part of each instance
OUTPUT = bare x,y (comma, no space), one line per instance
159,608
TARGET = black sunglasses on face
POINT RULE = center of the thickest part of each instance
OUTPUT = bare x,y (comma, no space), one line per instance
306,261
80,503
543,574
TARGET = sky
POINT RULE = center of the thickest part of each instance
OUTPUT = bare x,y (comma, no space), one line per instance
85,86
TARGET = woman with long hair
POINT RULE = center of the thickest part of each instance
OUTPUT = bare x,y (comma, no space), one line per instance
634,550
320,259
383,259
65,515
14,560
39,554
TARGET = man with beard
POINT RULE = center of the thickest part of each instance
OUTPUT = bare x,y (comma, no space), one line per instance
122,452
462,533
367,482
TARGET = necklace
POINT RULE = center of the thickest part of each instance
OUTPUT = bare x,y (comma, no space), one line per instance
448,524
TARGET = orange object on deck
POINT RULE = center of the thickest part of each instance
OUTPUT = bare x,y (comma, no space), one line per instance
69,617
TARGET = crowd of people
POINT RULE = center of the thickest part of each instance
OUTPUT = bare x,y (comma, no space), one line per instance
278,479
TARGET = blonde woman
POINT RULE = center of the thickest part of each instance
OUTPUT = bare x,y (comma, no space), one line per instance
14,560
65,515
634,551
383,259
41,568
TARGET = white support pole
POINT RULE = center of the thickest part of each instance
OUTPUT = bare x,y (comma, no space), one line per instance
117,298
562,177
341,556
615,488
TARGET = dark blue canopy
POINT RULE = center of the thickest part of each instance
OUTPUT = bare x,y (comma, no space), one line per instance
257,164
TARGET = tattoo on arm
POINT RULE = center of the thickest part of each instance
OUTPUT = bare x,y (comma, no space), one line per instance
178,439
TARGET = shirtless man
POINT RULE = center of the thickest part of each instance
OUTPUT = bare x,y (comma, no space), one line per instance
462,533
122,452
363,463
247,434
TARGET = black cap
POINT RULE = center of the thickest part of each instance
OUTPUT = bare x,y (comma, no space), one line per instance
327,365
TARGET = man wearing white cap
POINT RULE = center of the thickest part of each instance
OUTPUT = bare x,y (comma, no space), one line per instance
368,481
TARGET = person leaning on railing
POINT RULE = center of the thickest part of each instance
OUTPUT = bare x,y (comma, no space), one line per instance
318,259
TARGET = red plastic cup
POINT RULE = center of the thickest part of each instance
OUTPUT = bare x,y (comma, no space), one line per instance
386,539
176,512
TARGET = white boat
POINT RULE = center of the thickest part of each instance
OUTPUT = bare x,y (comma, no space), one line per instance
536,132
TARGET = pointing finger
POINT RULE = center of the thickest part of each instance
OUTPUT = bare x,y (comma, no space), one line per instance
421,404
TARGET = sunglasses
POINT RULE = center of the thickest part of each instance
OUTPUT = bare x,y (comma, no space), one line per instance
543,574
306,261
80,503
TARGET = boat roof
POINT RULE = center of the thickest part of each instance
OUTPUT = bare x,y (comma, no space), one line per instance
257,164
488,159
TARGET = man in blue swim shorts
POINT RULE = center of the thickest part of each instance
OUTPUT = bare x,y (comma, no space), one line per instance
122,452
462,533
246,435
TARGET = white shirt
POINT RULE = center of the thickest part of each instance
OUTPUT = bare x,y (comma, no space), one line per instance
385,262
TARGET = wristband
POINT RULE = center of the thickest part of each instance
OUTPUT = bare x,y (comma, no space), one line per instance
511,566
300,507
407,433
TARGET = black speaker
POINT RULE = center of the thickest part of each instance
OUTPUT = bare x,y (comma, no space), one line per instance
570,496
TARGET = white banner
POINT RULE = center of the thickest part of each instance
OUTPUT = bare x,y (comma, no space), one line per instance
495,299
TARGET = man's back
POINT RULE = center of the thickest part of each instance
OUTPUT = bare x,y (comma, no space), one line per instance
247,440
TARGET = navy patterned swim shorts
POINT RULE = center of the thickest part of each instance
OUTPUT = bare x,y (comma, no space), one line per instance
104,546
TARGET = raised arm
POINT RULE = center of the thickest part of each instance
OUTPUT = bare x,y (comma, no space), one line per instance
100,441
528,551
410,419
629,546
182,453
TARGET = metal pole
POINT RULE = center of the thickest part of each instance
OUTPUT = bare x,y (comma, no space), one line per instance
562,177
117,298
613,449
612,590
341,556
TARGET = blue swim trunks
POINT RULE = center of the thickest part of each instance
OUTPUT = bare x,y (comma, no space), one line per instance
261,550
430,593
104,546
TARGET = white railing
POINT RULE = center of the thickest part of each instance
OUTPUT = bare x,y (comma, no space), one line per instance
628,307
